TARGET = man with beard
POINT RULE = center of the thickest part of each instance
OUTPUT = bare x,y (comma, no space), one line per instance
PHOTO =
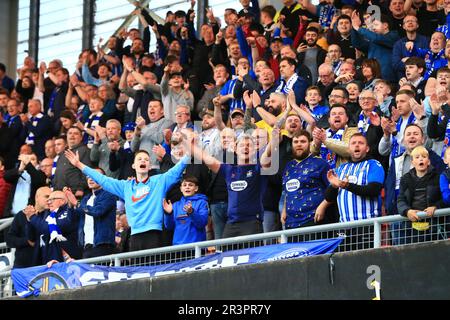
356,187
332,144
304,183
412,138
310,54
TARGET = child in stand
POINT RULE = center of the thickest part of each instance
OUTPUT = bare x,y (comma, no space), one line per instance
419,192
189,216
385,100
313,98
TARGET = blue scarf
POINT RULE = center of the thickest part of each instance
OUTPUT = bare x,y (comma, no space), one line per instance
127,147
326,153
55,162
286,86
92,122
398,149
9,120
326,15
364,123
51,102
34,122
53,229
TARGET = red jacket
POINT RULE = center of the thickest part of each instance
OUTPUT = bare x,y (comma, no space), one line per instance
5,188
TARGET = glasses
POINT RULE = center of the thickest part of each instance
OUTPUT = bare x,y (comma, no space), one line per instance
324,75
366,98
181,113
53,199
335,96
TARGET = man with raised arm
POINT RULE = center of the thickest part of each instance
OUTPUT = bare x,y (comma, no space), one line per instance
245,185
143,196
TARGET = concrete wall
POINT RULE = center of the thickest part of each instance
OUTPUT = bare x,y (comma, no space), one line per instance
8,39
409,272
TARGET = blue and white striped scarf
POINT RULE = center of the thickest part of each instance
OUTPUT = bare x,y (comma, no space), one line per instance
325,153
127,147
53,229
55,162
34,122
397,148
286,86
364,123
93,121
51,102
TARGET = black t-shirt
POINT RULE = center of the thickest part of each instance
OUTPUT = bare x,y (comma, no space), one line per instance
397,24
430,20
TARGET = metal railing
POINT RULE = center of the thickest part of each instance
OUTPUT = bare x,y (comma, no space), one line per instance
358,235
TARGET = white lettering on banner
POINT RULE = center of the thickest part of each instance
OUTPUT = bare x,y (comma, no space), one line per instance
95,277
289,254
238,186
91,278
292,185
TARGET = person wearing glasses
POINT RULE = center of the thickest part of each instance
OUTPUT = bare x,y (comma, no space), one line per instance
182,119
56,230
369,123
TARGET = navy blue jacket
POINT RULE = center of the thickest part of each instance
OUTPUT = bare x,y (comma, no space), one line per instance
389,184
399,52
67,221
104,213
377,46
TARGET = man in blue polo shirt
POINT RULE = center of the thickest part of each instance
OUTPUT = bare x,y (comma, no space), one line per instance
245,184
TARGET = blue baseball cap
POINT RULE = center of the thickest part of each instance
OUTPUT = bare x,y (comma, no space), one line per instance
130,126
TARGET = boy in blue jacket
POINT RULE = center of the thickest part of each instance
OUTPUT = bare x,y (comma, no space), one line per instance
189,216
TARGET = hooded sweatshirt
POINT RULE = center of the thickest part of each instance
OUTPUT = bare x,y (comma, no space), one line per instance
188,228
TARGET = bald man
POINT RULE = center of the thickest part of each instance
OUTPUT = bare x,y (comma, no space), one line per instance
56,230
18,236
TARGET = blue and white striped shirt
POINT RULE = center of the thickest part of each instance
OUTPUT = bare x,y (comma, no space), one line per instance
351,206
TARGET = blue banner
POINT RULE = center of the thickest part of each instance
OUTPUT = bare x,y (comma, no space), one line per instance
33,281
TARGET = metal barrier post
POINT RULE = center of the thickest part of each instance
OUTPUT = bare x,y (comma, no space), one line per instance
376,234
117,262
198,252
283,238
